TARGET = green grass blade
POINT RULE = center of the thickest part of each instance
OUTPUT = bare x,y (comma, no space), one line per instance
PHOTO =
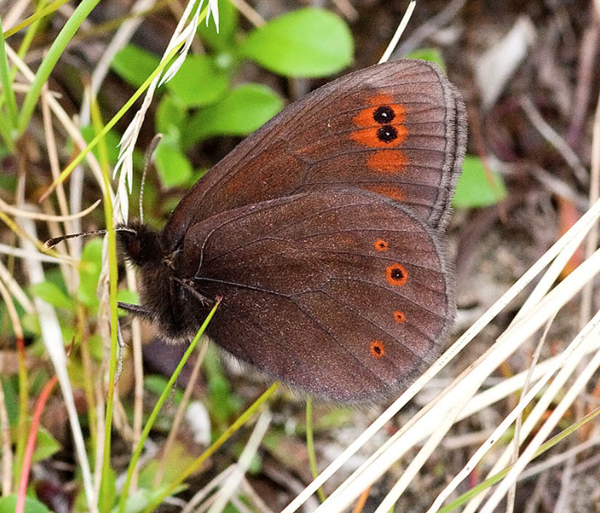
7,89
56,50
153,416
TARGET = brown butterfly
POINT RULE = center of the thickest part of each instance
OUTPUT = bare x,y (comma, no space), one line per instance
323,233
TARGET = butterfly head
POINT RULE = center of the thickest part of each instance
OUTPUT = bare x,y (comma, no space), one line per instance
164,296
139,243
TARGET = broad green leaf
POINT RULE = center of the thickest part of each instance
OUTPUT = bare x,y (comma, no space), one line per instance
308,42
222,400
11,399
199,82
240,112
96,346
169,119
156,384
228,23
178,458
90,267
9,505
52,294
138,501
173,166
474,188
45,445
8,181
134,65
112,143
428,54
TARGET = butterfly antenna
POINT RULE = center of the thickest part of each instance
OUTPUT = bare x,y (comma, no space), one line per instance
50,243
149,153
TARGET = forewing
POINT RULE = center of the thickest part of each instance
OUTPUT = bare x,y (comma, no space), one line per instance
396,129
342,294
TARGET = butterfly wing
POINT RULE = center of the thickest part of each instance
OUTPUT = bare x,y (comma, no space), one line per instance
343,294
397,129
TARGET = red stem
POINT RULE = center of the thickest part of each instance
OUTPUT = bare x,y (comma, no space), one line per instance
28,456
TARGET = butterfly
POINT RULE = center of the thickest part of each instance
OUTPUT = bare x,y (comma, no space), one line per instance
323,234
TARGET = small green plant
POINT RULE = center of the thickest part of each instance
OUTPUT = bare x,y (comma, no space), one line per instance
478,187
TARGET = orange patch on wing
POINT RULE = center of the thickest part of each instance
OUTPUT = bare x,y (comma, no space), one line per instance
399,317
371,136
381,99
377,349
365,118
389,191
381,245
396,275
387,161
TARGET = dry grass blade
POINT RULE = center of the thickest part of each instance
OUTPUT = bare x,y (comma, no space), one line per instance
5,207
232,483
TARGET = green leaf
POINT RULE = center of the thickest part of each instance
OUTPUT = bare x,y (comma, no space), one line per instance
228,23
45,445
242,111
138,501
112,143
474,188
134,65
96,346
178,458
157,384
308,42
52,294
428,54
198,82
169,119
173,166
9,505
11,399
222,400
90,267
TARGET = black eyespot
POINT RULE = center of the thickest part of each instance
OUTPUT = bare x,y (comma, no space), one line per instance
397,274
387,133
384,114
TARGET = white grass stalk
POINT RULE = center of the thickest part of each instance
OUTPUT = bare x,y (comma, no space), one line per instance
540,409
556,415
5,249
561,458
566,363
15,211
233,482
399,31
513,384
15,289
430,446
204,492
